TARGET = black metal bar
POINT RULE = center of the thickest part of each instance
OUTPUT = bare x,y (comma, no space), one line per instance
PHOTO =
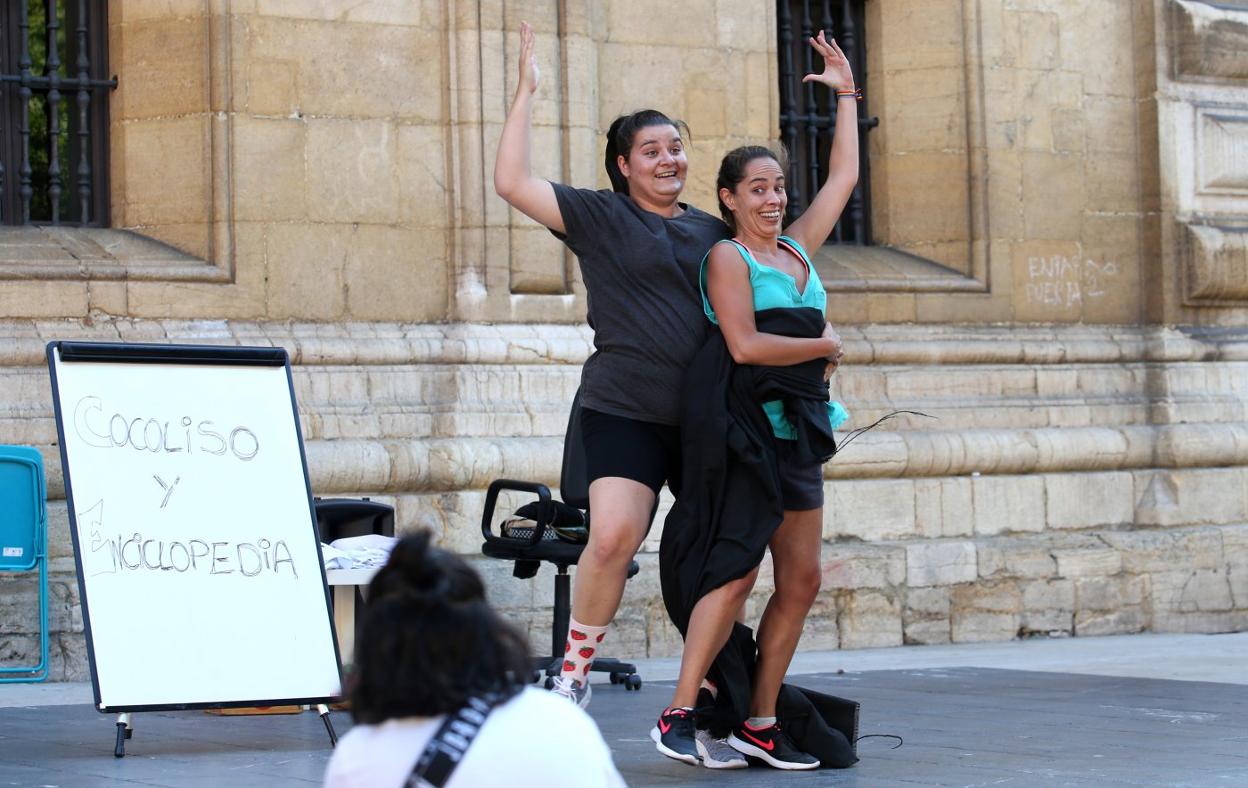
822,132
26,190
856,208
84,119
788,108
52,69
810,135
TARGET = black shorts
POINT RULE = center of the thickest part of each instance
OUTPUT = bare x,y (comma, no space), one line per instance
801,485
639,450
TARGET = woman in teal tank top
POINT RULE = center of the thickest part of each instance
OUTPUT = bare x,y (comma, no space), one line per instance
762,268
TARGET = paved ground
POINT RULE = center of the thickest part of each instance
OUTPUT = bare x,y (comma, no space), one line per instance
1140,710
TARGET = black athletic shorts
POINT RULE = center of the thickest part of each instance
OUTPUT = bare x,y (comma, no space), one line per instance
801,485
639,450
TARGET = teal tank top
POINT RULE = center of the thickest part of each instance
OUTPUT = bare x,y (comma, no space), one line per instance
774,289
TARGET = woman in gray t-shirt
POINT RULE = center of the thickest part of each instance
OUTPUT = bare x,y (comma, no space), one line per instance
639,250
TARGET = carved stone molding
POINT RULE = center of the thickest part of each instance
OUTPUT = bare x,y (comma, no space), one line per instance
1208,40
1216,263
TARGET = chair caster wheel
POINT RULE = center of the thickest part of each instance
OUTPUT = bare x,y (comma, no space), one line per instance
632,682
616,677
535,677
549,682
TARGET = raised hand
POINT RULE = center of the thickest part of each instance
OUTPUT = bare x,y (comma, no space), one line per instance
529,73
836,71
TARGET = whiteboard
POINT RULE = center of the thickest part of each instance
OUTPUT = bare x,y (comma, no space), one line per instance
199,568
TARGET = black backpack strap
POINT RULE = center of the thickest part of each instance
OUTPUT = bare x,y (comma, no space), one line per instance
447,747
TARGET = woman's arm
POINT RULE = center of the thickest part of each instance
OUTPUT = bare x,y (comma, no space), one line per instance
815,225
732,298
534,197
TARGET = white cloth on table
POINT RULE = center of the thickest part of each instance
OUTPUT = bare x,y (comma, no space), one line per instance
358,552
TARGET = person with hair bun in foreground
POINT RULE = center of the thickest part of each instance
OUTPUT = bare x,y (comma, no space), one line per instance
432,649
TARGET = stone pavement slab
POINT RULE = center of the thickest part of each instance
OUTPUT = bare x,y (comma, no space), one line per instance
961,726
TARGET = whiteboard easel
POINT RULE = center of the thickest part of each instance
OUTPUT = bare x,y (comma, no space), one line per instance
198,559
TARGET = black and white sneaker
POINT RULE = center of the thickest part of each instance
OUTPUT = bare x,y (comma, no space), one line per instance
674,735
770,745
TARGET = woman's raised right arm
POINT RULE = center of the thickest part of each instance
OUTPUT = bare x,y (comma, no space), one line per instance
534,197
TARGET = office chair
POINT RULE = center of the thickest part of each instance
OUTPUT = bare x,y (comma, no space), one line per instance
529,547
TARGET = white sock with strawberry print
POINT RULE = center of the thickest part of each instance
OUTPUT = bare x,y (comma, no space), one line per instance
582,646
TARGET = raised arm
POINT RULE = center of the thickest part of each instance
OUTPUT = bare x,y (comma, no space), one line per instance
815,225
728,288
534,197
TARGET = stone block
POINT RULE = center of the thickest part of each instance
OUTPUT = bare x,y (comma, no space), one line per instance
848,566
927,196
348,70
1008,504
940,563
1048,606
687,25
1162,551
1208,40
926,616
869,509
869,619
1077,563
820,631
305,270
278,189
422,175
353,169
269,88
1126,621
982,612
1014,558
396,274
1098,47
1089,500
165,62
1053,195
1191,591
943,507
1216,258
167,171
925,110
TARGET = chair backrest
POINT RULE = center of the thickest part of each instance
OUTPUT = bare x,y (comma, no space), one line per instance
337,518
574,476
22,508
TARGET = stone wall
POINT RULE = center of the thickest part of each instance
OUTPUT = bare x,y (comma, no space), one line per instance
1060,195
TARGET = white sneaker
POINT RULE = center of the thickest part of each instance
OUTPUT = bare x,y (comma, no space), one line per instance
717,753
575,691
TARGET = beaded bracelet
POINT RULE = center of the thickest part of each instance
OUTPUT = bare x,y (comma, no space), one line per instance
856,93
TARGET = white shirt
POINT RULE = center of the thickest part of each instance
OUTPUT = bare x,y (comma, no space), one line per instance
534,739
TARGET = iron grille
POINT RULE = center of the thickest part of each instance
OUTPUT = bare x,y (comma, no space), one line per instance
53,54
808,116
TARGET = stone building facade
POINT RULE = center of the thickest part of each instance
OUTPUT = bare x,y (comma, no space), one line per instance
1060,277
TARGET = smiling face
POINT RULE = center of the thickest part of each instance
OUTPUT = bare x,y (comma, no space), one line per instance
655,167
758,200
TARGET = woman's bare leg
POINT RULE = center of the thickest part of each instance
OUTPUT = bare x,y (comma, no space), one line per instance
620,512
795,557
709,627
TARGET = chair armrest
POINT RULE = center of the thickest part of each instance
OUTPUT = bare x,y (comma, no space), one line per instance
491,500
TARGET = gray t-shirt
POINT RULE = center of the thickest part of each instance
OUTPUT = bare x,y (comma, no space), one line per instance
645,305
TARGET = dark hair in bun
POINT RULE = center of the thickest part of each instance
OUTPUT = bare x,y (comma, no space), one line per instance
429,640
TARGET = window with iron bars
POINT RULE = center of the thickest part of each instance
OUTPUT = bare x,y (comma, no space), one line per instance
808,113
54,112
